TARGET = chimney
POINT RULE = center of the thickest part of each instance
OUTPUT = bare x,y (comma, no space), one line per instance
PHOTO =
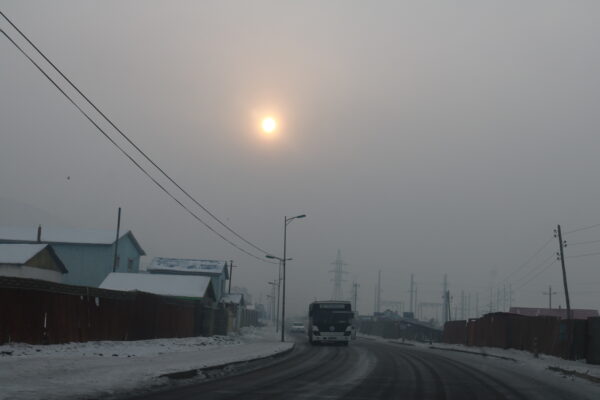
39,234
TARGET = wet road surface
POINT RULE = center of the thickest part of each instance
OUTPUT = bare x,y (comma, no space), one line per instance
370,369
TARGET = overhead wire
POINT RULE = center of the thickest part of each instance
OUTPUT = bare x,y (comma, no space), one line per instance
86,115
585,228
538,274
185,192
534,269
523,265
583,255
571,244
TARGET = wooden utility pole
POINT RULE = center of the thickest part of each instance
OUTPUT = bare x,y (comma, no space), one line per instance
561,245
549,293
231,273
117,241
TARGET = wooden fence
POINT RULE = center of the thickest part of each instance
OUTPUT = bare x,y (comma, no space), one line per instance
39,312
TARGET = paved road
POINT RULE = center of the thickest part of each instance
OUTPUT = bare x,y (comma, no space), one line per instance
380,370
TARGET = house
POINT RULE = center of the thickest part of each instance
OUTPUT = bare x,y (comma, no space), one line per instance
36,261
235,305
216,270
192,287
88,255
553,312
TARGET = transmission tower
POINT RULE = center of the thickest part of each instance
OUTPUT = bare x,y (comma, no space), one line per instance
338,273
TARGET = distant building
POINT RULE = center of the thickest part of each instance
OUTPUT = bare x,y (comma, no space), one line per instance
216,270
235,304
193,287
88,255
553,312
36,261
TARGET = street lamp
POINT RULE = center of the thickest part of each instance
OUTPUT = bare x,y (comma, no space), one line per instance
278,287
287,221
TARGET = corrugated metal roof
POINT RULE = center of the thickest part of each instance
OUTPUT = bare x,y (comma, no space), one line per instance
19,253
189,266
161,284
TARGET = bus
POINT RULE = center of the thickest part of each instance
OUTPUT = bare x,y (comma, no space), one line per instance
330,322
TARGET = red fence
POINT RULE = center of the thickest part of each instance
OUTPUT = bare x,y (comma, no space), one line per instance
39,312
548,335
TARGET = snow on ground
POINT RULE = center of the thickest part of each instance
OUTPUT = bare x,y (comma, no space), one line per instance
522,358
76,370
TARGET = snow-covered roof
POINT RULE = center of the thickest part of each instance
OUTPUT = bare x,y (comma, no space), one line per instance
233,298
189,266
164,285
18,253
21,253
63,235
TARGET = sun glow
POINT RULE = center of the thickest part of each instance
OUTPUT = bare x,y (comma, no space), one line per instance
269,125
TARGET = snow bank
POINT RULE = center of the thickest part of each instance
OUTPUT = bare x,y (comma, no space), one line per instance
75,370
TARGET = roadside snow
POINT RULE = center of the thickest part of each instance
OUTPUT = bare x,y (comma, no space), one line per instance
524,359
76,370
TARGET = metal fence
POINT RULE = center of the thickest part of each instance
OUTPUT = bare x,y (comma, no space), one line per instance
39,312
549,335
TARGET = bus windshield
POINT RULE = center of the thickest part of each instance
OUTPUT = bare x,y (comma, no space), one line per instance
332,316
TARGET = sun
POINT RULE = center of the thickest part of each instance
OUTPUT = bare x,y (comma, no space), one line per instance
269,125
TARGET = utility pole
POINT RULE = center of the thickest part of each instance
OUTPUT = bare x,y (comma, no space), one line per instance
273,298
412,299
561,245
445,314
278,297
379,291
116,258
416,303
462,304
477,305
355,296
375,299
231,273
549,293
447,300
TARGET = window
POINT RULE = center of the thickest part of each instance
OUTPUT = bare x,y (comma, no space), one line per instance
129,264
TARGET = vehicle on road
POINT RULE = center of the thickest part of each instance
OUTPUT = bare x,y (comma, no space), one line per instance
297,327
330,322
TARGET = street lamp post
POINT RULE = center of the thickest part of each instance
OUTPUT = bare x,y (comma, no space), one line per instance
287,221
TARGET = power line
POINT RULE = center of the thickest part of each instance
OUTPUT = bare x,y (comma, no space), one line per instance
528,260
584,255
585,228
124,152
538,274
571,244
538,266
131,142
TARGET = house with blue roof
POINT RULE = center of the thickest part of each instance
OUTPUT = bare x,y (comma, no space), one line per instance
87,255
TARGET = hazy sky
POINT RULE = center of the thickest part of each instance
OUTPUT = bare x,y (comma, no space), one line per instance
431,138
